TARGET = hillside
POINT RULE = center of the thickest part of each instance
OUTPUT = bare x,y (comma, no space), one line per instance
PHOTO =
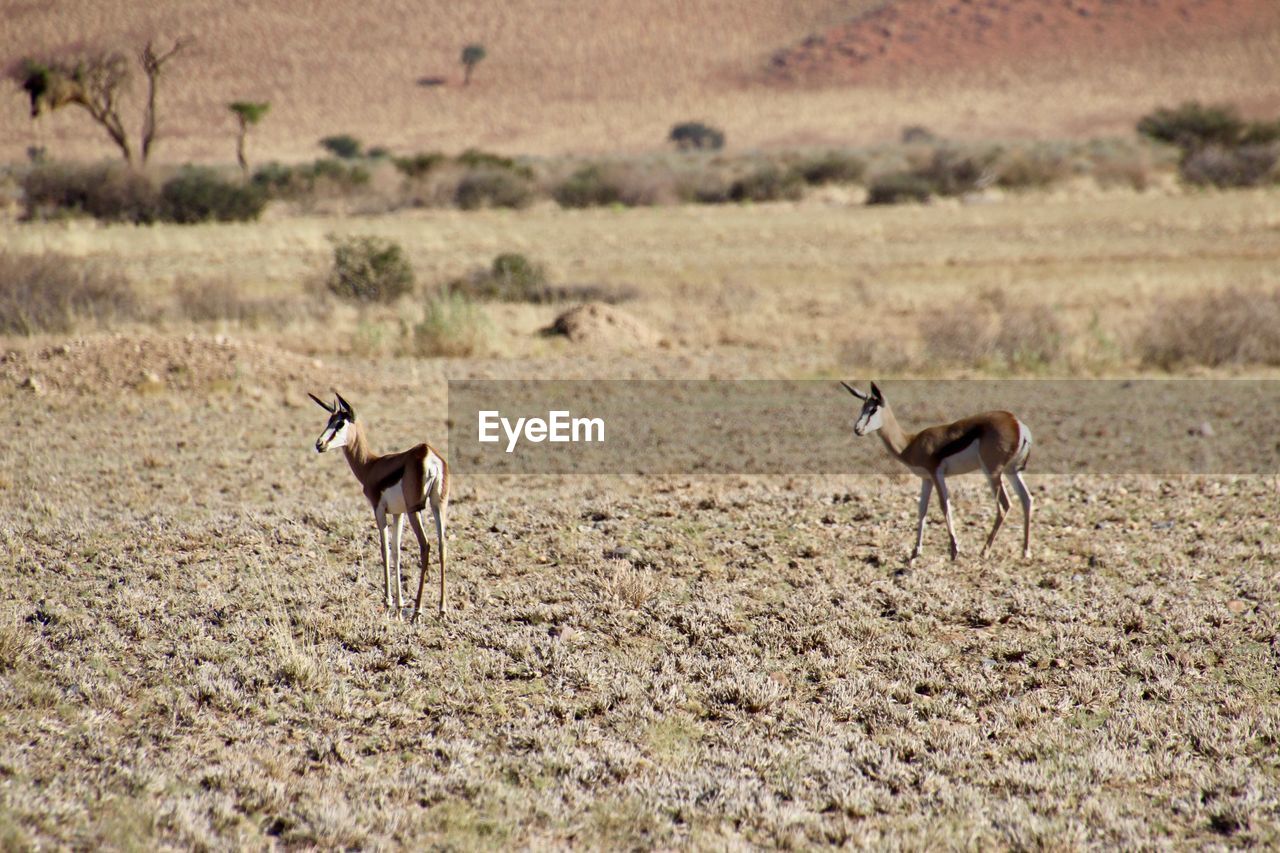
587,76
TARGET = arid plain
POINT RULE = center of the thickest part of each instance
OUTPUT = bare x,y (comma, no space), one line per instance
193,651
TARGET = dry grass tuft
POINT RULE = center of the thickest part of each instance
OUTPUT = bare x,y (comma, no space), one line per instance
51,293
1228,327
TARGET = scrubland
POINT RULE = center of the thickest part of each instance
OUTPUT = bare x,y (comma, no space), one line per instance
193,651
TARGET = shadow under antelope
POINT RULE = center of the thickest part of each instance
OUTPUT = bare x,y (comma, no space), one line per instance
997,443
396,485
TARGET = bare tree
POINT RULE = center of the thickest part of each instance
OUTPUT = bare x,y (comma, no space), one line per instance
95,83
152,62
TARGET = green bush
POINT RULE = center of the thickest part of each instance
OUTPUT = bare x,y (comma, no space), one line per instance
369,269
451,326
109,192
898,187
297,182
419,165
511,277
832,168
691,135
1193,125
590,186
768,183
49,293
202,195
343,145
474,158
489,187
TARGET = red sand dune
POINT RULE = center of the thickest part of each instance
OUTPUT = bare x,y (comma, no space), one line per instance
906,37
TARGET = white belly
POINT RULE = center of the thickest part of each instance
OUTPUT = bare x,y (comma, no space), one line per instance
393,499
965,461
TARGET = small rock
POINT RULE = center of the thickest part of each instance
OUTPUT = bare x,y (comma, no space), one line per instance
1204,430
32,384
1237,606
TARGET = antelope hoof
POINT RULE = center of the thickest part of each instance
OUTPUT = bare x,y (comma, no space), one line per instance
955,551
914,556
413,620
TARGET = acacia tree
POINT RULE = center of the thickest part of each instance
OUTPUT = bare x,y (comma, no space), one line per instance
95,82
472,55
248,114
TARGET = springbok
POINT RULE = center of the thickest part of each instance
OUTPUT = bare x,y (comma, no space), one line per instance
396,485
995,442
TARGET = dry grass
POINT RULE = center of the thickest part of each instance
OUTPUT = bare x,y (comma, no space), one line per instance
673,662
53,293
1214,329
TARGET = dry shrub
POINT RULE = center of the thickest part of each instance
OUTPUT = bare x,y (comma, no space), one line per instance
1030,168
369,269
110,192
834,167
768,183
451,326
50,293
627,184
1242,166
1029,336
1229,327
486,186
962,335
205,301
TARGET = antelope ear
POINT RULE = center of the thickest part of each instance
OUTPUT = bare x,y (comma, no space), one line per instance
876,393
346,407
854,391
321,403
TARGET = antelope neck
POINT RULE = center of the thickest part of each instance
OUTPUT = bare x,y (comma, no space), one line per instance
357,451
891,433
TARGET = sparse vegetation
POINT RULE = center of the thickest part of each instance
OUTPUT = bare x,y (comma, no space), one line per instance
323,177
420,165
369,269
696,135
511,277
52,293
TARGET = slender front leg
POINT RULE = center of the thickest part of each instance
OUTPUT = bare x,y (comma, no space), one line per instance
1024,495
439,510
944,498
424,551
397,529
1002,506
926,489
383,547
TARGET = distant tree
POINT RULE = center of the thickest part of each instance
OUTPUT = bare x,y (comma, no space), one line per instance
343,145
94,81
472,55
248,114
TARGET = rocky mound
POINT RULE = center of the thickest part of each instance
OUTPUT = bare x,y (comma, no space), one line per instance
110,364
904,38
598,324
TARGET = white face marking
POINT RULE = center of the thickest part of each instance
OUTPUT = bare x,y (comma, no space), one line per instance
869,420
334,435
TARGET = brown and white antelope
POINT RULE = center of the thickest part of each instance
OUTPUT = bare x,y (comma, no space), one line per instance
396,485
995,442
